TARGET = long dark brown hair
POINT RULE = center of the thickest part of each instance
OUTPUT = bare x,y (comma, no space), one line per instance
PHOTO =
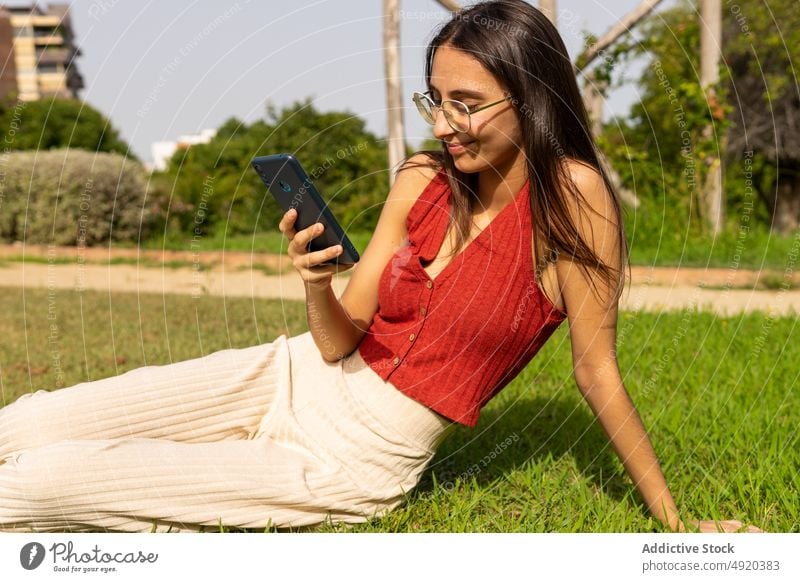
521,47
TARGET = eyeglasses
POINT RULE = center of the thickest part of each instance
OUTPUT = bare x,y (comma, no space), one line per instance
457,114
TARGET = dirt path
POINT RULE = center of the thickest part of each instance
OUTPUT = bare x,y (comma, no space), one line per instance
248,275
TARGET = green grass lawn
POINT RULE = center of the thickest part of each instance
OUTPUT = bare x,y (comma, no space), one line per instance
262,242
719,397
757,249
664,247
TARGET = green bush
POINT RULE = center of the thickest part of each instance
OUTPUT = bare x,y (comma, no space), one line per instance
71,197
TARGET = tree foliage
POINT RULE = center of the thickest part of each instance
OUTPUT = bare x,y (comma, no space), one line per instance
762,53
661,149
54,122
210,188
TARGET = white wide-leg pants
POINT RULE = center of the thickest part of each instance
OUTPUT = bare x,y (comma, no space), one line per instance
265,436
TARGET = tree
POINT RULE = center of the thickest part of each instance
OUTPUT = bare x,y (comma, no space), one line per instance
762,52
754,111
54,122
662,146
210,188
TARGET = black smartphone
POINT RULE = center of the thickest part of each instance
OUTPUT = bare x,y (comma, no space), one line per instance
291,187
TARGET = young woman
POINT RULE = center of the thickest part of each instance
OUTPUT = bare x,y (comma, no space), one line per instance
480,252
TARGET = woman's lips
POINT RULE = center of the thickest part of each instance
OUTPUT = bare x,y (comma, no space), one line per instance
456,148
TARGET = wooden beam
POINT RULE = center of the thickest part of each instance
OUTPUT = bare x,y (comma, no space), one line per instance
610,37
394,88
450,5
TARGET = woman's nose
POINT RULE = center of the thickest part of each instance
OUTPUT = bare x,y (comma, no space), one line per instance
441,128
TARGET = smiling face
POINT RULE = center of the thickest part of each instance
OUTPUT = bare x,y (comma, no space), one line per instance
494,140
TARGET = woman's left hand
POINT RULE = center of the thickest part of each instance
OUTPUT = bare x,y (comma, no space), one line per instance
725,526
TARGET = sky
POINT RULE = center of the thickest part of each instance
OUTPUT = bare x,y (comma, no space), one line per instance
162,69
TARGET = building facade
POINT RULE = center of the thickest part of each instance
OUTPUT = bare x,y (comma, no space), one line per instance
38,52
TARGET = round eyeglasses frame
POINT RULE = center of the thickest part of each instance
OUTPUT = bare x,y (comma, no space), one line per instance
430,116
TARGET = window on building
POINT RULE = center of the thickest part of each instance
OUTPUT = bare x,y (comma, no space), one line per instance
48,68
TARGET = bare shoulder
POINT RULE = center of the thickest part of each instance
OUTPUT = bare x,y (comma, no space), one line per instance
412,178
595,197
597,218
421,162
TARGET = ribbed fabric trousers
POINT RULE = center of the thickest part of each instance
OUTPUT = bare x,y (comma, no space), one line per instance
266,436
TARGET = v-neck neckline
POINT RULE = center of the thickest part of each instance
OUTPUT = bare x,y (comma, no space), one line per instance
463,251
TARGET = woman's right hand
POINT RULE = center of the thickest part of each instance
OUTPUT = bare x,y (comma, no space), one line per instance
308,264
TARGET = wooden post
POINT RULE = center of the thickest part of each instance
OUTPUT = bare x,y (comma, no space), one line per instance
394,89
548,8
710,49
593,100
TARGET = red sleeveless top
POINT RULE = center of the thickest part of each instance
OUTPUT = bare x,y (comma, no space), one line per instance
455,341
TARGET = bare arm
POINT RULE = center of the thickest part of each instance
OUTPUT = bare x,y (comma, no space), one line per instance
338,325
592,322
